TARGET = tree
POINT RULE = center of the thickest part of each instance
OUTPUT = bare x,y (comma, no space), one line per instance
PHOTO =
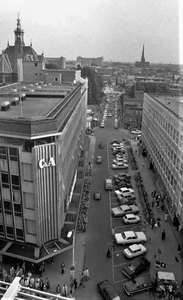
94,85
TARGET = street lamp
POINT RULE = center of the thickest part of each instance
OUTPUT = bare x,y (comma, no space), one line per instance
72,269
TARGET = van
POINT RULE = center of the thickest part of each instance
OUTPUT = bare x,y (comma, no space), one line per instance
108,184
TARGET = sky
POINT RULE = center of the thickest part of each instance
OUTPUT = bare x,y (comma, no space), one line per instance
114,29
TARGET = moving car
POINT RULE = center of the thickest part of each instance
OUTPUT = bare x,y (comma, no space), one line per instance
139,284
130,237
108,291
134,250
131,219
101,145
136,267
119,165
108,184
102,125
99,159
97,195
124,209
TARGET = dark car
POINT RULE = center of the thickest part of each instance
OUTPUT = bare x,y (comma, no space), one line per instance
136,267
101,145
108,291
99,159
138,284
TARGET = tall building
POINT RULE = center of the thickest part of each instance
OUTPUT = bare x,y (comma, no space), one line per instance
142,64
162,136
41,139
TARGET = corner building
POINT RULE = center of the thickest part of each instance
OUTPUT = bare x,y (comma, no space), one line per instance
162,137
39,154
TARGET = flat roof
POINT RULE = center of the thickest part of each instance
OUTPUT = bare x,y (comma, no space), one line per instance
173,103
38,103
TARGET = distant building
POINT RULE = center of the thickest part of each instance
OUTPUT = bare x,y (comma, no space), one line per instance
142,64
89,62
59,62
32,63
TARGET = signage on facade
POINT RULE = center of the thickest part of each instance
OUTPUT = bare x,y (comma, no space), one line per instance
45,164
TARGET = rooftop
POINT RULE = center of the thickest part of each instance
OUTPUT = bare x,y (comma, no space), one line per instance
40,100
172,103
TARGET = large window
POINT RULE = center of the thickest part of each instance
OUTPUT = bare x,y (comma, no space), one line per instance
15,182
13,154
7,207
29,201
5,180
9,232
3,154
19,234
27,172
31,227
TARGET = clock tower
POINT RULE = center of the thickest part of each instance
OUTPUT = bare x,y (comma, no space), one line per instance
19,38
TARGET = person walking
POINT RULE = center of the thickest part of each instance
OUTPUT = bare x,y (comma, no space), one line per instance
143,164
166,217
75,284
82,280
158,221
179,248
62,268
58,289
64,291
108,253
163,235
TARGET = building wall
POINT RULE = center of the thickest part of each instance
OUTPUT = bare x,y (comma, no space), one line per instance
36,182
60,62
162,135
57,77
33,71
132,116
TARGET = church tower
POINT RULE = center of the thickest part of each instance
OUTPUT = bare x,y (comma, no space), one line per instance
19,38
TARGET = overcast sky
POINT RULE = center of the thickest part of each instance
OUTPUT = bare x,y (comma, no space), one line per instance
114,29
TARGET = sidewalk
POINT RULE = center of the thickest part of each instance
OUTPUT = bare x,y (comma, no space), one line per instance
167,253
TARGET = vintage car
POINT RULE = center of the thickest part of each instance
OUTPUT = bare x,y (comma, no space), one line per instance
125,209
138,284
107,290
134,250
130,237
136,267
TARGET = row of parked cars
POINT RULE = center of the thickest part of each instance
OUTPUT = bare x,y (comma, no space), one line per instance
120,161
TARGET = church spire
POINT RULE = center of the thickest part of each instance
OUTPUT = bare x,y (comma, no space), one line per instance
143,58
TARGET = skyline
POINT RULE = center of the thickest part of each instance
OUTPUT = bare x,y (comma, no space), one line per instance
113,29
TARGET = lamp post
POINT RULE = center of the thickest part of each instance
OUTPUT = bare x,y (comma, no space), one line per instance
72,269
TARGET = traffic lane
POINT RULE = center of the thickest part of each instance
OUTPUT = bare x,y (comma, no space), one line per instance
99,228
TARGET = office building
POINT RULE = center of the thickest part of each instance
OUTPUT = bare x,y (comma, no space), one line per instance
162,137
89,62
41,138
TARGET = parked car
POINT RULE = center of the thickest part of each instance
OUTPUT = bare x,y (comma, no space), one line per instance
131,219
102,125
99,159
136,131
120,159
124,192
138,284
107,290
134,250
97,195
130,237
124,209
123,184
119,165
101,145
136,267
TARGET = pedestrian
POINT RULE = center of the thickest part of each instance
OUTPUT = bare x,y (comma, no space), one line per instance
162,206
75,284
163,235
143,164
180,228
64,291
62,268
82,280
48,284
152,203
179,248
86,274
108,253
166,217
152,223
40,270
43,266
23,267
58,289
158,221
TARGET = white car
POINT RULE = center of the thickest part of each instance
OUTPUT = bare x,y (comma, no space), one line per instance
136,131
117,160
134,250
124,192
130,237
102,125
131,219
125,209
119,166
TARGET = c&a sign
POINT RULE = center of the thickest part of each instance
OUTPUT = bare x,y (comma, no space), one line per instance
45,164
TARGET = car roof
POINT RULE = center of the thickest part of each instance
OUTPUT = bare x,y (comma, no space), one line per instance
134,247
129,233
130,216
110,289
